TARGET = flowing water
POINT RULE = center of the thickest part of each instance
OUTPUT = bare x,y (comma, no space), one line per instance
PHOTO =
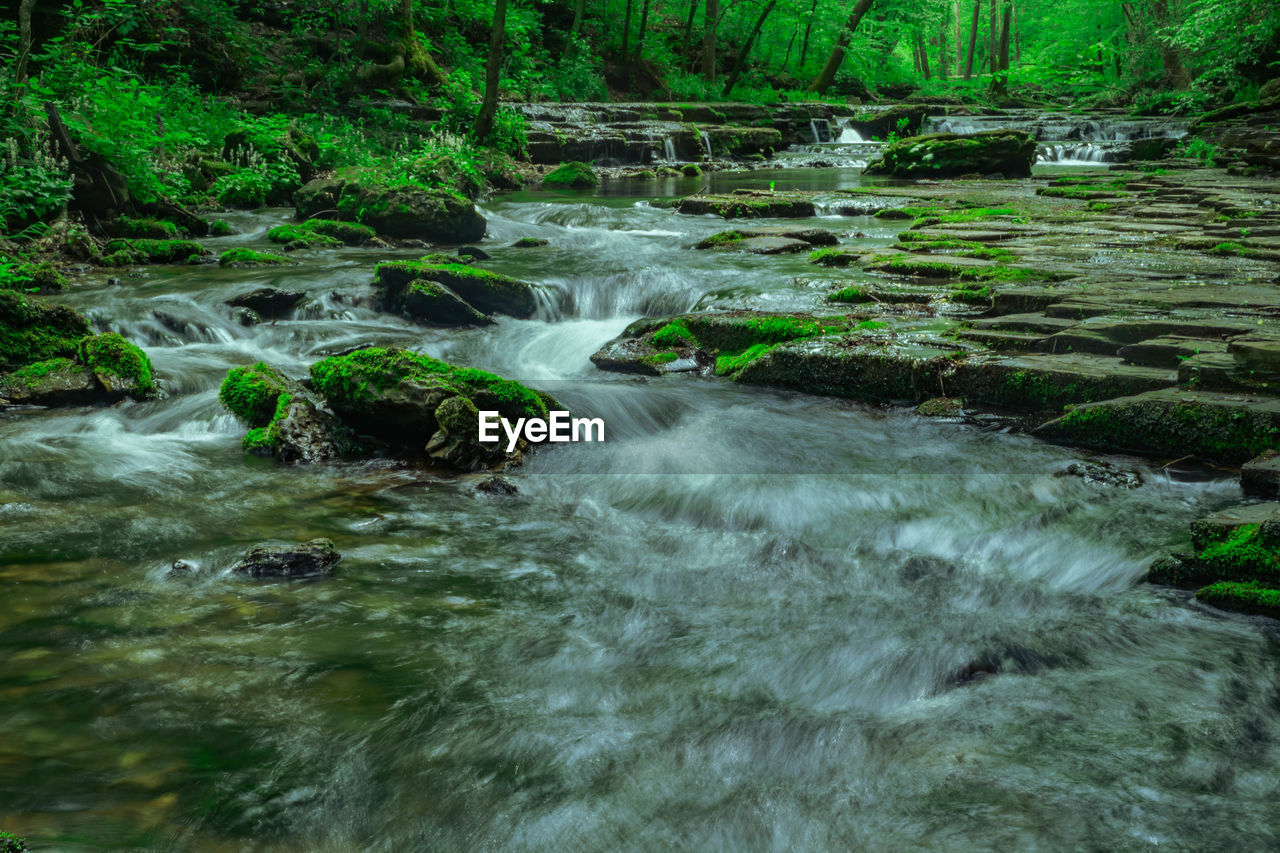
748,621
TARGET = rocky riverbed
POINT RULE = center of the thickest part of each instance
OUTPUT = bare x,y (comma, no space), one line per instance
890,467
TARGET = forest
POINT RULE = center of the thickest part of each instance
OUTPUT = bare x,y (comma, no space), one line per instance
926,360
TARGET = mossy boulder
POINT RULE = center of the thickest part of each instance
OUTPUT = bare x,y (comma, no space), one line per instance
32,331
575,175
487,292
284,420
398,211
435,303
1011,153
404,398
1174,423
1253,598
42,276
240,258
156,229
902,119
53,382
294,237
119,366
748,205
125,252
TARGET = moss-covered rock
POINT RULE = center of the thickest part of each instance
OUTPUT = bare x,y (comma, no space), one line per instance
249,258
1252,598
42,276
530,243
54,382
433,302
1174,423
488,292
118,365
125,252
32,331
748,205
284,420
422,405
575,174
398,211
158,229
946,155
297,237
349,233
268,301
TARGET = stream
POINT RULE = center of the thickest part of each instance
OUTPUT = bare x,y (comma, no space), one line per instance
749,620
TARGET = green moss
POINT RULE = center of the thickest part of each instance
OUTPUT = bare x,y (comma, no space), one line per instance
31,375
722,238
43,276
121,252
663,358
691,170
572,174
851,294
871,325
832,257
354,381
927,268
675,333
1242,598
1232,249
265,439
1241,556
296,234
110,355
155,228
727,365
31,331
221,228
972,295
350,233
252,393
250,258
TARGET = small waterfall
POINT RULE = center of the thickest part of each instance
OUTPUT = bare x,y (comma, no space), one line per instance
706,141
820,129
1075,152
669,148
848,136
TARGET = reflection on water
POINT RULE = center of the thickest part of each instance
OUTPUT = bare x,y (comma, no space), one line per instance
748,621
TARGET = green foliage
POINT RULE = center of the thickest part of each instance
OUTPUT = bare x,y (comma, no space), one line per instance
10,843
1197,148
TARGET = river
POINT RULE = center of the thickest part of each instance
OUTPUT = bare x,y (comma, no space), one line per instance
748,621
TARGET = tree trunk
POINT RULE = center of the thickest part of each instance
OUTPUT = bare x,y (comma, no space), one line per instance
1006,23
644,22
1017,42
579,12
973,39
955,9
924,55
626,32
746,48
795,31
710,15
484,121
688,30
1175,74
24,41
827,75
808,28
944,55
992,38
418,62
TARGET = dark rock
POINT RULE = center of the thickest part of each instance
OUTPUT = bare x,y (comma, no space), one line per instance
268,301
1103,474
497,486
530,243
903,120
1260,476
486,291
317,557
57,382
1011,153
941,407
433,302
404,211
474,253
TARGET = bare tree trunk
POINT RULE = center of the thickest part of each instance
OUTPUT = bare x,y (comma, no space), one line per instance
710,16
644,22
992,38
484,121
1017,41
955,9
687,42
626,33
746,48
24,41
915,56
1175,74
944,55
1006,23
808,28
827,75
579,11
924,55
973,39
795,31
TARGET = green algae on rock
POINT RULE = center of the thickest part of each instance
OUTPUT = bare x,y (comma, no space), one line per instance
284,421
574,174
1011,153
487,292
32,331
250,258
126,252
118,365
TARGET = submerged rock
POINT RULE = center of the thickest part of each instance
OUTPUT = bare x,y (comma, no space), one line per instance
1103,474
1011,153
316,557
497,486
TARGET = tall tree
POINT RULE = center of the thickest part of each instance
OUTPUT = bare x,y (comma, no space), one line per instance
1005,24
1175,73
923,50
489,107
944,53
993,38
827,75
579,11
644,23
710,17
746,48
973,39
688,29
24,41
955,12
626,32
808,28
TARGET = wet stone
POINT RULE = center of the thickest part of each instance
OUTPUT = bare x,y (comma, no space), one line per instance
310,559
1260,476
